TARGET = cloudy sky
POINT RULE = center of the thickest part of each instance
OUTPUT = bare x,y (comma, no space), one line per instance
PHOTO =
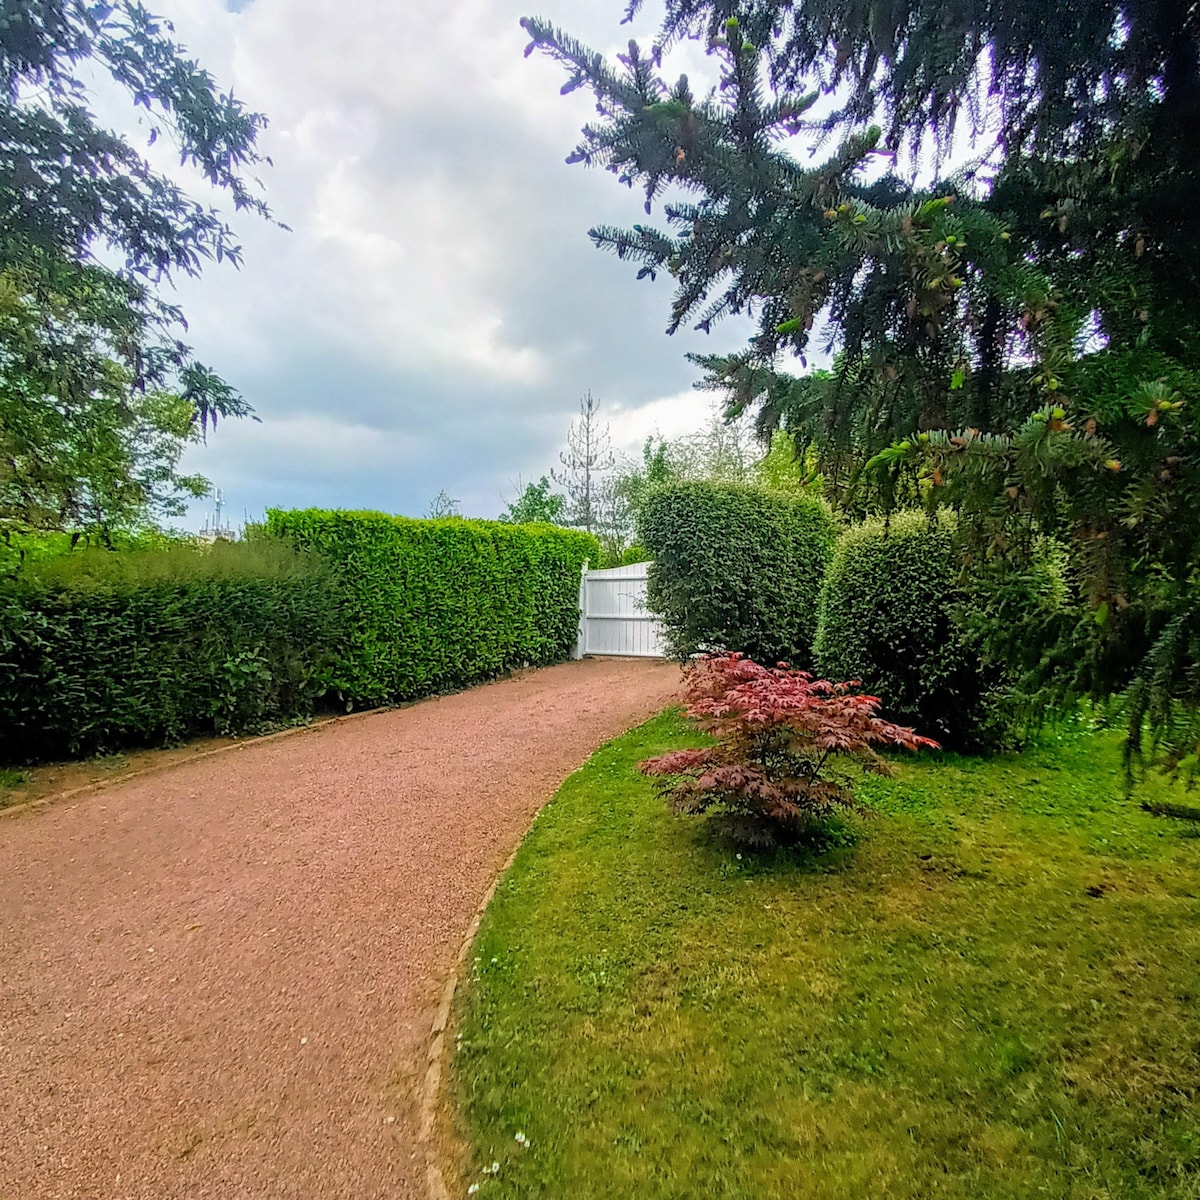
437,310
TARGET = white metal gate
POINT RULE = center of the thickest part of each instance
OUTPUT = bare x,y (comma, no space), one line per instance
612,614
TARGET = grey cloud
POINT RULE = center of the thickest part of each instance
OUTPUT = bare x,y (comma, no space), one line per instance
438,308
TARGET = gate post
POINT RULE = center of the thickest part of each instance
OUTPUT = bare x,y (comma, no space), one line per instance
580,647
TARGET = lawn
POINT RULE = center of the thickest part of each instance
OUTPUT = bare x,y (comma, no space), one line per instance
989,987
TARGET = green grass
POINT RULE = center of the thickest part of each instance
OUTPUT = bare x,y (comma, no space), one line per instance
10,778
989,988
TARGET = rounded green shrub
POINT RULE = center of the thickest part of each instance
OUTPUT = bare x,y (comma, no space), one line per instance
737,568
889,617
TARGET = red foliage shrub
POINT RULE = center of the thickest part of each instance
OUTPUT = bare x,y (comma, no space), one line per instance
784,742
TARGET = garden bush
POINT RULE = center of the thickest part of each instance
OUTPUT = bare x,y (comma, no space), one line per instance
433,605
783,742
891,617
103,650
737,568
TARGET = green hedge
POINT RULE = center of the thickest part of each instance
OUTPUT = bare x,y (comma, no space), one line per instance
737,568
103,650
18,550
889,619
433,605
100,650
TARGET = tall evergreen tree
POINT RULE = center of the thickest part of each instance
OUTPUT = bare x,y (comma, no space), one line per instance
1020,338
588,457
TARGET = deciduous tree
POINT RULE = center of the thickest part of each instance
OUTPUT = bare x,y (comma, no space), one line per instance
783,742
442,505
537,503
98,393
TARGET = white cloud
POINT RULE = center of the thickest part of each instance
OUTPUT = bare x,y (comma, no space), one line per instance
668,417
436,311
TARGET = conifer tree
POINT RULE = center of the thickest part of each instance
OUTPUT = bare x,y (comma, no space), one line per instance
588,457
1019,338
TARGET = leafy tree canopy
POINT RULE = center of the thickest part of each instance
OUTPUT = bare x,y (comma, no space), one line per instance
718,452
98,394
537,503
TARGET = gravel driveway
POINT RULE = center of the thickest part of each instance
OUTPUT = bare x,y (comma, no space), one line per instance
219,980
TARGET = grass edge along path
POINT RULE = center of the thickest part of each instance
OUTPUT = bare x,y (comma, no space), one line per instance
989,988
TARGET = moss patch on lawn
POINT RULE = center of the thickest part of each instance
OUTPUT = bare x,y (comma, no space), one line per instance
990,987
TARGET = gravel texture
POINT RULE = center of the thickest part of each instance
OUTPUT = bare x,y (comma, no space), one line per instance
219,980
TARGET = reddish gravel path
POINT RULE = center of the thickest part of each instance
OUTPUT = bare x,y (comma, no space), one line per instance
219,980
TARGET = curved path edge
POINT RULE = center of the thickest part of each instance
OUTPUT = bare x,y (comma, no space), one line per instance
156,768
233,974
438,1053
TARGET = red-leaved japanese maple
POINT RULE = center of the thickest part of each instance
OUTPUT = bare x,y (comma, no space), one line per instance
784,741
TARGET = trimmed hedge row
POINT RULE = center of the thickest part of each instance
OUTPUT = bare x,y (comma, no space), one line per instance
888,619
432,605
101,650
737,568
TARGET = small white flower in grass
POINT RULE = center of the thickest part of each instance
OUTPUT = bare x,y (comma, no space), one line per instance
472,1189
521,1140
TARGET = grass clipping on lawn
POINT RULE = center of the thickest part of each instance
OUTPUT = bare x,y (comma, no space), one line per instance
989,989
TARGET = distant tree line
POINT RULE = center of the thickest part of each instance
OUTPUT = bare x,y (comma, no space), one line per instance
604,492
